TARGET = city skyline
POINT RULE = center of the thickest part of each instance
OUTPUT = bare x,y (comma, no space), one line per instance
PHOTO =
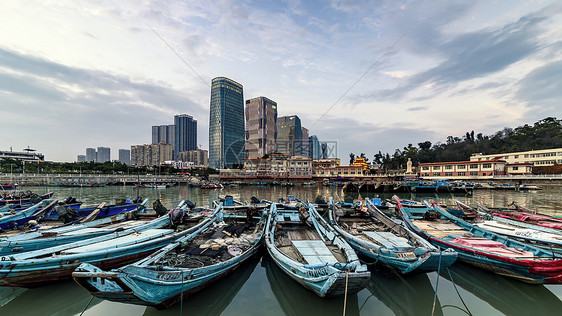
371,76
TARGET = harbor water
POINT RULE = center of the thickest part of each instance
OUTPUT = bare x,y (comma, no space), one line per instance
260,288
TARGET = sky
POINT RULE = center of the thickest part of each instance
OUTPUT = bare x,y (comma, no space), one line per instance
369,75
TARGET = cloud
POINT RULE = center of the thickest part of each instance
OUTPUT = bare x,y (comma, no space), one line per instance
470,55
417,108
84,106
542,88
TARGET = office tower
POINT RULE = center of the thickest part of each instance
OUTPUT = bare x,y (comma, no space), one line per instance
103,154
226,124
163,134
185,133
304,142
314,149
125,156
261,127
91,155
289,135
81,158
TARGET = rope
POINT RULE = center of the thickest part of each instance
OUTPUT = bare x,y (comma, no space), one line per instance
85,308
437,284
345,296
181,295
459,294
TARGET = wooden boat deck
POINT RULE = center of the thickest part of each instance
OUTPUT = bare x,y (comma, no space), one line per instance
285,238
441,228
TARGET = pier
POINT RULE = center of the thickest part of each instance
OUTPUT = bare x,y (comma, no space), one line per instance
91,179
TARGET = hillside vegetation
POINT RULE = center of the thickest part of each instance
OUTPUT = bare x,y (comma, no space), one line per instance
544,134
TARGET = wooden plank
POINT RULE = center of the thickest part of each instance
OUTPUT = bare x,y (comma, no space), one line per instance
388,240
314,251
93,214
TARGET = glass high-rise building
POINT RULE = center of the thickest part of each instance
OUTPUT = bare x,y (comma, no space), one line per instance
91,155
185,135
163,134
104,154
289,135
261,127
226,123
125,156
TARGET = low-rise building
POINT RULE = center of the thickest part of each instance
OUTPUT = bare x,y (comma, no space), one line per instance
485,169
543,157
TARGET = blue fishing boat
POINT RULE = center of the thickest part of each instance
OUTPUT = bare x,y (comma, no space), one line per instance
309,251
33,268
376,236
483,248
22,217
75,211
184,266
42,236
26,197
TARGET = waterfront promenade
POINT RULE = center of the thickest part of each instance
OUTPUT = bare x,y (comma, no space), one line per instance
88,179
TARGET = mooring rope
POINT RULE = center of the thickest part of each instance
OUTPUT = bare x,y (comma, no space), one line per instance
85,308
437,284
345,295
459,294
181,295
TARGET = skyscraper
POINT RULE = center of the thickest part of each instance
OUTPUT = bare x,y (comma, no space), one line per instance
125,156
104,154
261,127
185,135
163,134
91,155
314,149
304,142
289,135
226,123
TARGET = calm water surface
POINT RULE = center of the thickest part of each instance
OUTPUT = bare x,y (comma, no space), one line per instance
260,288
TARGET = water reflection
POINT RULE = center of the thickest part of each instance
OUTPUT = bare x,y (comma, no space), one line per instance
404,295
294,299
8,293
214,299
509,296
63,298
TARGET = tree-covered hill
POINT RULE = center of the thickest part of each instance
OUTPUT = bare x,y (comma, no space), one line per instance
544,134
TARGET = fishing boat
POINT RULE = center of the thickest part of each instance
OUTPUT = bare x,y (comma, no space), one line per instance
291,203
75,211
207,302
483,248
522,214
23,217
24,198
55,233
548,239
230,204
183,267
309,251
376,236
34,268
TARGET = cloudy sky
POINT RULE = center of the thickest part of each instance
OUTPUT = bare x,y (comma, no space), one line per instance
371,75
